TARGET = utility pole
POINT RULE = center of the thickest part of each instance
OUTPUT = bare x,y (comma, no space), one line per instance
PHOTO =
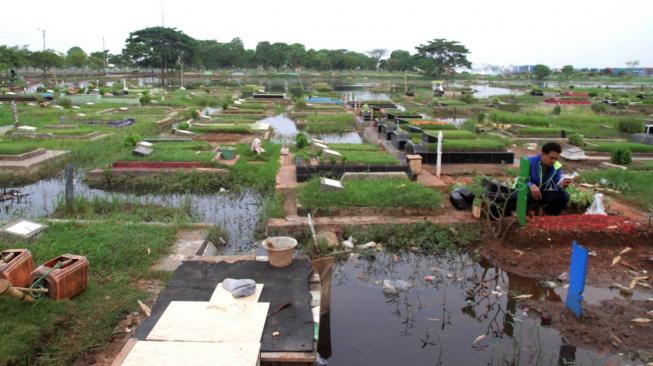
43,32
163,23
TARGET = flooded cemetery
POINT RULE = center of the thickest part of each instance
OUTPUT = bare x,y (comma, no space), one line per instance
321,207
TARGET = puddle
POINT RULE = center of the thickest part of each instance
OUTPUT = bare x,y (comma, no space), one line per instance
454,121
236,213
366,95
285,131
436,322
487,91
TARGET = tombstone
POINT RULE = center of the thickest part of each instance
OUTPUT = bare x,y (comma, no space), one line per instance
332,155
145,144
648,129
26,129
574,153
124,109
313,141
285,151
577,275
320,145
142,151
327,184
22,230
256,146
184,132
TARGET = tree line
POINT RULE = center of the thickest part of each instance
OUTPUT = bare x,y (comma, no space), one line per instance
168,48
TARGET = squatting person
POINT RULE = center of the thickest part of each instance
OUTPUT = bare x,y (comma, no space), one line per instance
546,186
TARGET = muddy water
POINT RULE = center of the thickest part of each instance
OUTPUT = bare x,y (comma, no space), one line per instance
285,131
436,322
236,213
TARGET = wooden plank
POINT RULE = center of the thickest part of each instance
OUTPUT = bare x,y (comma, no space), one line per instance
193,321
290,357
124,352
222,296
324,267
146,353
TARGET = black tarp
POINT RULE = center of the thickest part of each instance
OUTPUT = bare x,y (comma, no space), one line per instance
196,281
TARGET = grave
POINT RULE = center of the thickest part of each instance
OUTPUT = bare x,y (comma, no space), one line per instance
22,230
331,154
574,154
327,184
142,151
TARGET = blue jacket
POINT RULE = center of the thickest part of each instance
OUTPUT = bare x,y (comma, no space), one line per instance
547,181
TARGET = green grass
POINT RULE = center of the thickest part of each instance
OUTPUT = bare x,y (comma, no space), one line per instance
426,236
434,127
586,123
364,154
635,186
122,210
226,128
369,193
469,145
56,333
458,135
195,151
15,147
609,146
541,131
328,123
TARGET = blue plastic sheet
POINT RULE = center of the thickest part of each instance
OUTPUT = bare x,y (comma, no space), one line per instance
577,275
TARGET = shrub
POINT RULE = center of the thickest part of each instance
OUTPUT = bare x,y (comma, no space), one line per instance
621,155
630,126
557,109
592,94
577,140
145,99
468,98
481,117
623,102
599,107
300,103
183,126
132,139
301,140
66,103
295,91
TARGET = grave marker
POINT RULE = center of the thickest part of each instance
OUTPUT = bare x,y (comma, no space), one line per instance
577,275
327,184
522,190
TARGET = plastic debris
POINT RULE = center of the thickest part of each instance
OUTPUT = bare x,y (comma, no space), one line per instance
368,245
349,243
479,338
597,207
521,297
641,320
391,287
429,278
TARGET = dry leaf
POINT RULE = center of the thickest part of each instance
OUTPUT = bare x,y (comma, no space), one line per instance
625,250
479,338
519,297
641,320
518,252
644,284
149,251
615,260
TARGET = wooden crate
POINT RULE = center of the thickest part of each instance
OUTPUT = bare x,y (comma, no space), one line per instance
18,270
65,282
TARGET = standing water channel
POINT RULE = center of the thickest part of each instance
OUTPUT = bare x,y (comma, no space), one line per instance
437,322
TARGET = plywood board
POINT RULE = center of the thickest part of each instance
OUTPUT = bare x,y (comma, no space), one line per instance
194,321
146,353
222,296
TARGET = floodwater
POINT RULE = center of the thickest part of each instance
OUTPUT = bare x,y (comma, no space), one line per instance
236,213
285,131
437,322
487,91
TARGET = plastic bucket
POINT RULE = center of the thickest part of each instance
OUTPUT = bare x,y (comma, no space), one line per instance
280,250
227,153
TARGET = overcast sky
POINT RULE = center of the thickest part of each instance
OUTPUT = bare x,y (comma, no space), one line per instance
594,33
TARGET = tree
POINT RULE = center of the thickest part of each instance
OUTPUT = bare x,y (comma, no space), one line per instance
13,57
440,57
98,60
376,54
263,53
46,60
76,57
567,71
159,47
400,61
278,54
296,55
541,71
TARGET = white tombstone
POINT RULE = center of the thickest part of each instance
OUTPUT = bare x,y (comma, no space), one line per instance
26,129
331,154
23,229
145,144
320,145
438,166
327,184
574,153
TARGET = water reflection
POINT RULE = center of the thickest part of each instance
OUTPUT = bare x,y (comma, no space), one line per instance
285,131
236,213
436,322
